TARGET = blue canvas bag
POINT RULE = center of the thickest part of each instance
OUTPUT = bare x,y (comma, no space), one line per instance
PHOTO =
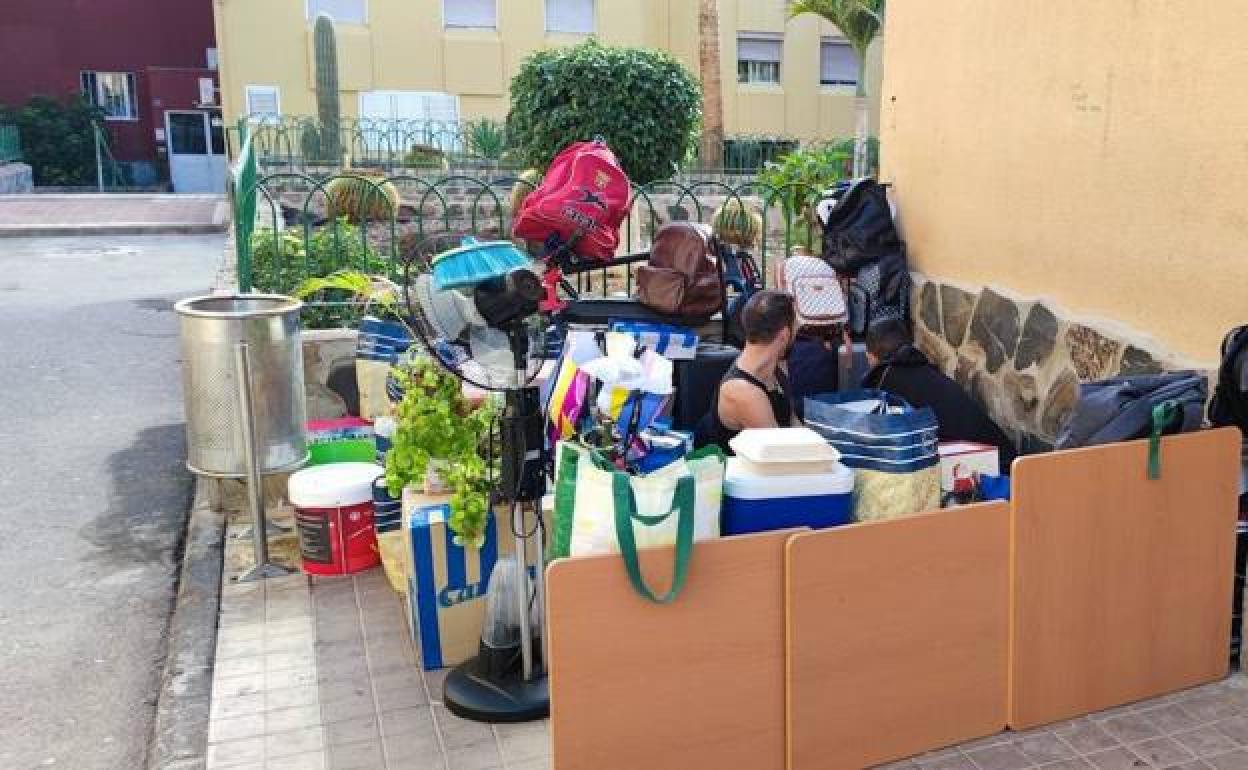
892,447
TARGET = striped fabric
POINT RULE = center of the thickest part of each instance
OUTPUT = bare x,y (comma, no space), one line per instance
381,340
875,431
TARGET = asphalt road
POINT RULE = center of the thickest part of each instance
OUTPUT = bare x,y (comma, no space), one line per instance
93,491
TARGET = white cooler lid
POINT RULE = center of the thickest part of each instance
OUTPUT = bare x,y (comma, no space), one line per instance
336,485
742,483
782,445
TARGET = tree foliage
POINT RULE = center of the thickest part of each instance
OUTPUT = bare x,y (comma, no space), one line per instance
643,102
57,139
859,21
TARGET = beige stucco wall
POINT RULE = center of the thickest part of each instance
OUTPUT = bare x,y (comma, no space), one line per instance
405,47
1094,153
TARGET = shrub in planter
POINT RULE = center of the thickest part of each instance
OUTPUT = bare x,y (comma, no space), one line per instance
281,260
485,139
644,102
798,180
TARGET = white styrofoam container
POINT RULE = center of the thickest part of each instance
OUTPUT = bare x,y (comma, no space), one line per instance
782,445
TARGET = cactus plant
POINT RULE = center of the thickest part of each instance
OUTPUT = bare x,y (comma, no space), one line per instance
526,183
737,223
424,156
361,196
327,108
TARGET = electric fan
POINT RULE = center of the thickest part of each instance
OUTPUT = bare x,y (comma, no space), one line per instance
482,324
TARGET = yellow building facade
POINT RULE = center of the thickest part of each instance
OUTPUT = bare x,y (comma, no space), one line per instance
454,59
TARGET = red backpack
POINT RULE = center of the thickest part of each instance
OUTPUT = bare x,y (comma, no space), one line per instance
584,195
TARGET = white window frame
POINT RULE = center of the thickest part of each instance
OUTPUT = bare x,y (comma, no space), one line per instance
277,103
553,28
311,15
752,72
839,42
212,58
92,93
446,17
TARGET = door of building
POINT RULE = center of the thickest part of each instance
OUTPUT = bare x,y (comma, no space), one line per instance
196,151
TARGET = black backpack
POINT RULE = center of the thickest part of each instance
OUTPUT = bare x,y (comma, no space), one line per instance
859,229
880,291
1230,399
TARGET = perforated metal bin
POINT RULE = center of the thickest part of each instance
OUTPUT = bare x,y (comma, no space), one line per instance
212,327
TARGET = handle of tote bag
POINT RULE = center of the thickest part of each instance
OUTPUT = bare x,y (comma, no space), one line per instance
625,514
1164,414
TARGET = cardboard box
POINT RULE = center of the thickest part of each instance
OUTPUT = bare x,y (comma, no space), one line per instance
960,459
447,583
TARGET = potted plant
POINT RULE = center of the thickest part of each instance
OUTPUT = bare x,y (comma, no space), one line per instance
437,429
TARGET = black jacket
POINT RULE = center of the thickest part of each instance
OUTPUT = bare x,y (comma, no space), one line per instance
909,374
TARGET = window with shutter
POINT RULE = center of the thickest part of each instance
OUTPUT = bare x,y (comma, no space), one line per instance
341,11
263,103
572,16
758,58
838,64
410,117
481,14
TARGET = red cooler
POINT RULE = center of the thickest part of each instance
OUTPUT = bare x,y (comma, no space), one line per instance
334,514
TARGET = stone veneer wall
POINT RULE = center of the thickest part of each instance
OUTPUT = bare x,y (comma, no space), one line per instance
1022,358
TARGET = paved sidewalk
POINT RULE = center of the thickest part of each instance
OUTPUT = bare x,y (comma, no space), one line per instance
111,214
318,673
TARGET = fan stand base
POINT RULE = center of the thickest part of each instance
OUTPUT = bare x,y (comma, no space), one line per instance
468,694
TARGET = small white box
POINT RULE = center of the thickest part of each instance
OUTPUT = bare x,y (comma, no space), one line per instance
962,459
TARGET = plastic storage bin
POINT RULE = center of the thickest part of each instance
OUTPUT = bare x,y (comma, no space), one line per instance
758,503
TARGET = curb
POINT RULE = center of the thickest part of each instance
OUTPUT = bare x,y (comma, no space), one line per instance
180,730
120,228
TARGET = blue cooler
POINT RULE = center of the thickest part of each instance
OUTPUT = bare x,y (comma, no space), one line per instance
755,502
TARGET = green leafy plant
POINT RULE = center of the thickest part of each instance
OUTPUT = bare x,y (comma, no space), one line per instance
796,182
281,261
435,422
486,139
645,103
57,139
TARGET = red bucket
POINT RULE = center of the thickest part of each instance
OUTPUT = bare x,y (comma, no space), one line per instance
334,515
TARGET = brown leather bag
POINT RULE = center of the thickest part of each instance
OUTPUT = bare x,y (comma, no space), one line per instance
682,278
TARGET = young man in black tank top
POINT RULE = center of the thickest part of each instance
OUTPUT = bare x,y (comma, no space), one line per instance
755,391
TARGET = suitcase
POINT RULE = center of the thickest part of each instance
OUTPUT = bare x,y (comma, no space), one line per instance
696,381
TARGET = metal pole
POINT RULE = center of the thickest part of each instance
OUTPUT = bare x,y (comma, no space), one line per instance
539,584
522,567
99,162
255,482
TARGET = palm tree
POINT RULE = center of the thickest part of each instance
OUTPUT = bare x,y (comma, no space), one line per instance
860,21
711,151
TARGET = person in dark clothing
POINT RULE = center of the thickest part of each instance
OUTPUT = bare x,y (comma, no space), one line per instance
754,393
897,366
813,364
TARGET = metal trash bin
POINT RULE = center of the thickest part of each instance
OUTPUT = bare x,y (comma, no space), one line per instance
212,327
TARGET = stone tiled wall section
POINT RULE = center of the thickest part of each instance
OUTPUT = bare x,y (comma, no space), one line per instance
1023,359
